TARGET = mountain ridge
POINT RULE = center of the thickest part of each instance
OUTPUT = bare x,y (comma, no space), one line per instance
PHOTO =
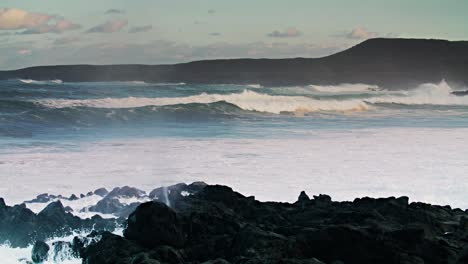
390,63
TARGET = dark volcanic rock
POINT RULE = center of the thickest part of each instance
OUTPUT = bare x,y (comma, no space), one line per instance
154,224
171,194
40,252
21,227
101,192
127,192
43,198
303,197
218,225
107,206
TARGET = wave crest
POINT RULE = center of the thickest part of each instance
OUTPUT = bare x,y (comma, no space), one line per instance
30,81
247,100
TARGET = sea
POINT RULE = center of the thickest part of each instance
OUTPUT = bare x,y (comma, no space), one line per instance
347,140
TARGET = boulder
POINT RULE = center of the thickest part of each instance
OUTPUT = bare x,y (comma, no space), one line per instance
101,192
303,197
107,206
40,252
127,192
154,224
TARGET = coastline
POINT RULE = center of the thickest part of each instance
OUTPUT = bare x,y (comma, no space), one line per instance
213,224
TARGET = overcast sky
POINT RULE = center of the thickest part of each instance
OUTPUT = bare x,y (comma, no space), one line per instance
45,32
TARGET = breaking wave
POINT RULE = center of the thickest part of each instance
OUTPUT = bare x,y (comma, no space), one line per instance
246,100
426,94
345,88
29,81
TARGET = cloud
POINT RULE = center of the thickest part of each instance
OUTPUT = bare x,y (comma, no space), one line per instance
109,27
59,27
139,29
288,33
66,40
24,52
33,23
361,33
215,34
114,11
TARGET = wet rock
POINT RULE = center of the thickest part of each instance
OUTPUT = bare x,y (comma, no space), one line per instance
61,251
143,258
40,252
73,198
107,206
43,198
303,197
101,192
216,261
127,192
154,224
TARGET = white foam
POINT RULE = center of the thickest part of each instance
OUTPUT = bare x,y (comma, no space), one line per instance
430,94
79,206
255,86
425,94
345,88
29,81
247,100
11,255
426,164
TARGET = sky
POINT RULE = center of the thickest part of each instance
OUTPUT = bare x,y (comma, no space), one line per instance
51,32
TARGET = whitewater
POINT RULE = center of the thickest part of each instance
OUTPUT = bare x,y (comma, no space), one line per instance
348,140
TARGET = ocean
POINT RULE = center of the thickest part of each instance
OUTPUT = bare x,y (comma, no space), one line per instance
349,140
272,142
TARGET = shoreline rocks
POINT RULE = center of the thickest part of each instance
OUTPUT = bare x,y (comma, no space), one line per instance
218,225
200,223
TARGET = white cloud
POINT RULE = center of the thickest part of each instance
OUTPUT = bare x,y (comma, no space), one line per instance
24,52
109,27
33,23
361,33
287,33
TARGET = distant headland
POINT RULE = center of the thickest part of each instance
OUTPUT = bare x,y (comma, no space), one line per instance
390,63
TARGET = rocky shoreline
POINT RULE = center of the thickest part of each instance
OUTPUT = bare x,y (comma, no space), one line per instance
201,223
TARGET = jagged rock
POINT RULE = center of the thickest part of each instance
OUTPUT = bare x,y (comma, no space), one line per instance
154,224
167,254
61,251
43,198
20,226
303,197
127,192
55,213
218,223
111,249
143,258
73,198
40,252
171,194
101,192
322,199
82,196
107,206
